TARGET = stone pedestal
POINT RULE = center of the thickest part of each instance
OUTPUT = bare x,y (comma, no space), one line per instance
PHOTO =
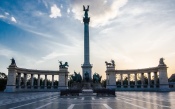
87,85
11,81
163,79
63,78
111,78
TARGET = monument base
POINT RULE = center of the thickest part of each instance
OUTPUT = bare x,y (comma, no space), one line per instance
87,85
62,87
111,87
10,89
164,87
87,92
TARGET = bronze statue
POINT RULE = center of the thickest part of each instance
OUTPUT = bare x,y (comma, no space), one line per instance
86,11
13,61
96,78
63,65
161,61
86,76
76,77
112,64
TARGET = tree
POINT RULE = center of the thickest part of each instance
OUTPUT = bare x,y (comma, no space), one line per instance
3,81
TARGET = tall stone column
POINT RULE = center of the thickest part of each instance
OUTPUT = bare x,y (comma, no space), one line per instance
128,80
11,81
31,84
149,79
19,80
52,82
86,67
45,84
135,80
142,80
38,81
25,80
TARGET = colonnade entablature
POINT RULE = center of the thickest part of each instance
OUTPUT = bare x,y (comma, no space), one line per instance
146,78
14,82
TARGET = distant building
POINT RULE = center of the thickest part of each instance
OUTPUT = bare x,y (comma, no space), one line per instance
172,78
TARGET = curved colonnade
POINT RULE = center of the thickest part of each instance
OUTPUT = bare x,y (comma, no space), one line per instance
159,74
14,79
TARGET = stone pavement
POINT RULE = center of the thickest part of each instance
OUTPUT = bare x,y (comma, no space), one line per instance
52,100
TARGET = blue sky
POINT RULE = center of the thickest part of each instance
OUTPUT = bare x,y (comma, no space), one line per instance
135,33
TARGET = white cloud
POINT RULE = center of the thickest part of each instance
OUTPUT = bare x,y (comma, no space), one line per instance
13,19
68,10
61,6
6,13
102,14
55,12
2,16
50,56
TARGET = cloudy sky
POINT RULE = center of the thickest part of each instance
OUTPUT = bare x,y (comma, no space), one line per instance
135,33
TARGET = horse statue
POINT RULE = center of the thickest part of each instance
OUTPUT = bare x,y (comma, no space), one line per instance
13,61
96,78
63,65
112,64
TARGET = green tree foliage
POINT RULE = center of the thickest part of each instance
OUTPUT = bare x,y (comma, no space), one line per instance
3,81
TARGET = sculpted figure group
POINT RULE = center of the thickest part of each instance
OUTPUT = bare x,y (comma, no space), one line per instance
65,65
112,64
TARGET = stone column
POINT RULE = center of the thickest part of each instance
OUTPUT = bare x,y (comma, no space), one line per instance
38,81
142,80
112,77
163,78
63,72
135,80
52,82
86,67
62,81
31,84
19,80
121,76
128,80
45,85
11,81
25,80
155,79
149,79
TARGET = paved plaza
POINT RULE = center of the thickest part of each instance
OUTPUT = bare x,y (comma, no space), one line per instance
52,100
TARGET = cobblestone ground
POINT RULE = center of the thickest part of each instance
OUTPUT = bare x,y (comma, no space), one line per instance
9,98
123,100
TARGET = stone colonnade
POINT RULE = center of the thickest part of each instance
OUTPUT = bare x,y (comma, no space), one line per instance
14,73
161,83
